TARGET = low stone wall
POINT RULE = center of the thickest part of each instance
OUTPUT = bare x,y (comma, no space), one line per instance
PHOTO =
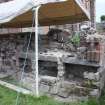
67,81
60,78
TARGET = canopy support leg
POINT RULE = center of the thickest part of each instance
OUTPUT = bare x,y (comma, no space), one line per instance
36,51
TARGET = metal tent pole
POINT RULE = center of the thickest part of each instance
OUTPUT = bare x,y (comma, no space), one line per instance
36,50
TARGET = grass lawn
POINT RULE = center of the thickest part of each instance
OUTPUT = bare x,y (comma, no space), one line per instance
8,97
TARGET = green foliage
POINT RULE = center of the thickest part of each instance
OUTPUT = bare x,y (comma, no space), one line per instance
89,102
75,39
92,102
102,98
103,18
8,97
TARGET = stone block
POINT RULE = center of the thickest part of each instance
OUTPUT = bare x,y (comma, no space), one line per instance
67,84
97,76
92,76
54,90
44,88
61,73
60,67
48,80
63,93
95,93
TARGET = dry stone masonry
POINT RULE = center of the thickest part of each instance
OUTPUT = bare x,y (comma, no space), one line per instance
62,74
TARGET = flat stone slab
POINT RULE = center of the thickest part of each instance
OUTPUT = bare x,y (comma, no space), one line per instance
46,56
48,79
74,60
15,88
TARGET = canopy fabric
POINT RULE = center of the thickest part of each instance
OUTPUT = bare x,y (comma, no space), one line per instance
18,13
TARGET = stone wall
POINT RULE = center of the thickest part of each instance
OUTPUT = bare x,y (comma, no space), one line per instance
10,48
93,13
56,78
48,68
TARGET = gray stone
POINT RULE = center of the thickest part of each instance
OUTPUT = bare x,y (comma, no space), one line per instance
68,85
60,67
63,93
95,93
97,76
60,73
54,90
90,76
44,88
96,84
48,80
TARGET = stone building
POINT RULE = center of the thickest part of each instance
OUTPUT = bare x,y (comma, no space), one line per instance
93,13
90,6
61,73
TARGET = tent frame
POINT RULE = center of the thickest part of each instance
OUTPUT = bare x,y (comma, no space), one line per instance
36,10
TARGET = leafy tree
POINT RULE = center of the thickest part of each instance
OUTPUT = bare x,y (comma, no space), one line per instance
102,18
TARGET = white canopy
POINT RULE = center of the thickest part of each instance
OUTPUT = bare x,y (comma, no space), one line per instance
12,9
18,13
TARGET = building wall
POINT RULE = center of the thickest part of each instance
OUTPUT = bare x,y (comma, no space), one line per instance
90,6
93,13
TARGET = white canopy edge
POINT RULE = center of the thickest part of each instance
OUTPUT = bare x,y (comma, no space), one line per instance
12,9
83,8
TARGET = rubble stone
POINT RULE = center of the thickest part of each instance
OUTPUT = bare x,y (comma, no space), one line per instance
44,88
95,93
56,77
54,90
48,80
63,93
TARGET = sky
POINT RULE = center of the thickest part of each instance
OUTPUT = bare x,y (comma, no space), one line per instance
100,9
